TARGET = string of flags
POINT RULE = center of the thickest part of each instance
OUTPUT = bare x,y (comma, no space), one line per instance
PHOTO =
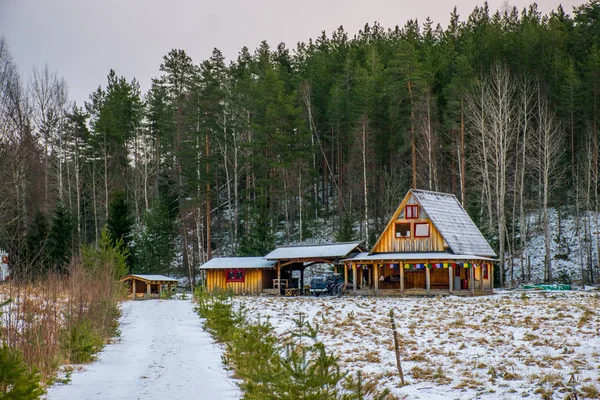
422,265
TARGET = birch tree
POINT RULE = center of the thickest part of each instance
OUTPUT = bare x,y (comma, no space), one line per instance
550,148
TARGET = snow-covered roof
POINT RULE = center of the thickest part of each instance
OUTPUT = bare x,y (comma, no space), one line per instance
329,250
151,277
453,223
415,256
237,262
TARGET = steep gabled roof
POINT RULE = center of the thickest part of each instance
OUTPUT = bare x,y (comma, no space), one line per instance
453,223
329,250
237,262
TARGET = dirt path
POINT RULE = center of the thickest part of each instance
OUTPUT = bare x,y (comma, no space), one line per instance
163,353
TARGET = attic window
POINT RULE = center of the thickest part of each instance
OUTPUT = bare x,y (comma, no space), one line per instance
235,275
421,230
412,211
402,230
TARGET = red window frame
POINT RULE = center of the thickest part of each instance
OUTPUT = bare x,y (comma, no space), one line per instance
415,230
485,272
411,211
235,275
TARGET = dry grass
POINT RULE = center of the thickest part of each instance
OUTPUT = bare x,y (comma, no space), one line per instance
40,314
502,344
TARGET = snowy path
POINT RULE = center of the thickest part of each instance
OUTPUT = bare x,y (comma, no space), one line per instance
163,353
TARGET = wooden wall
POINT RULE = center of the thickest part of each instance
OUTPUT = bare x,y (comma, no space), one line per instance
388,243
253,281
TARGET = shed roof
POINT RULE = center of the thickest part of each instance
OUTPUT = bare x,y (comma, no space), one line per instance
453,223
237,262
150,278
319,251
415,257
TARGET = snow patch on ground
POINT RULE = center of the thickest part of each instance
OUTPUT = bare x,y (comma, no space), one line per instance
162,353
503,346
574,247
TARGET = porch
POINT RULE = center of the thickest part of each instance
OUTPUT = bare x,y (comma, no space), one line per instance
419,277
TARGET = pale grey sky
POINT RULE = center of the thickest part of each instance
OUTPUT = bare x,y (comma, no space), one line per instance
83,39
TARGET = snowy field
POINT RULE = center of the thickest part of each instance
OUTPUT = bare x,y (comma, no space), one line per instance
163,353
505,346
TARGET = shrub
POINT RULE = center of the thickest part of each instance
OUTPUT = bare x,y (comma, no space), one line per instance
81,342
16,380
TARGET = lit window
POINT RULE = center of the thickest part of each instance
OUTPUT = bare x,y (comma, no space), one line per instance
421,230
402,230
412,211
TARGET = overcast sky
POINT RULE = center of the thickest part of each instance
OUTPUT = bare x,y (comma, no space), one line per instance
83,39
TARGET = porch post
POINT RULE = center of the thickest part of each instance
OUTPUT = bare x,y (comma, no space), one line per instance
450,278
492,265
301,280
472,279
133,283
279,276
402,277
148,288
354,277
345,273
360,275
370,277
427,279
375,277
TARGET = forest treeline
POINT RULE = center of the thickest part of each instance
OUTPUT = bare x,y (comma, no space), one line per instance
232,158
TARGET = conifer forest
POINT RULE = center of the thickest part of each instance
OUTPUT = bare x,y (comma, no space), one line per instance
318,140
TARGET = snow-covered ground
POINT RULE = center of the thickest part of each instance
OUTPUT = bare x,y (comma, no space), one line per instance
163,353
505,346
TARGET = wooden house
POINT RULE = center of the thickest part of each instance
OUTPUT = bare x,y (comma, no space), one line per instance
148,285
429,246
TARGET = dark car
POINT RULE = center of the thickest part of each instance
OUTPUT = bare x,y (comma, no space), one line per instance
325,284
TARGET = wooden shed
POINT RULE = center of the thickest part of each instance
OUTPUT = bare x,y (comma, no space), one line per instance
148,285
240,275
430,246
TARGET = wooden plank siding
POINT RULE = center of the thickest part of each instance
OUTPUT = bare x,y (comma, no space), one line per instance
254,281
388,243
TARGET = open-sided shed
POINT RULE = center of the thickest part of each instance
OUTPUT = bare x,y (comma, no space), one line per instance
148,285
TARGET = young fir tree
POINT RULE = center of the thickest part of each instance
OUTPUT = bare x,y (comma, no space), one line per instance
120,221
60,238
260,239
154,245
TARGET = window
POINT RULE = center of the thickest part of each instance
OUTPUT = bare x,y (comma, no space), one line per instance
402,230
412,211
421,230
235,275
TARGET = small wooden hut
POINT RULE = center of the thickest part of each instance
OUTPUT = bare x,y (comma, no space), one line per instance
240,275
148,285
430,246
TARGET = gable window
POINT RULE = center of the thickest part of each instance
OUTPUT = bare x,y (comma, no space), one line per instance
235,275
412,211
422,230
402,230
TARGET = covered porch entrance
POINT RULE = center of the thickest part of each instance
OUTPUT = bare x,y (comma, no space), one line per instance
419,277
